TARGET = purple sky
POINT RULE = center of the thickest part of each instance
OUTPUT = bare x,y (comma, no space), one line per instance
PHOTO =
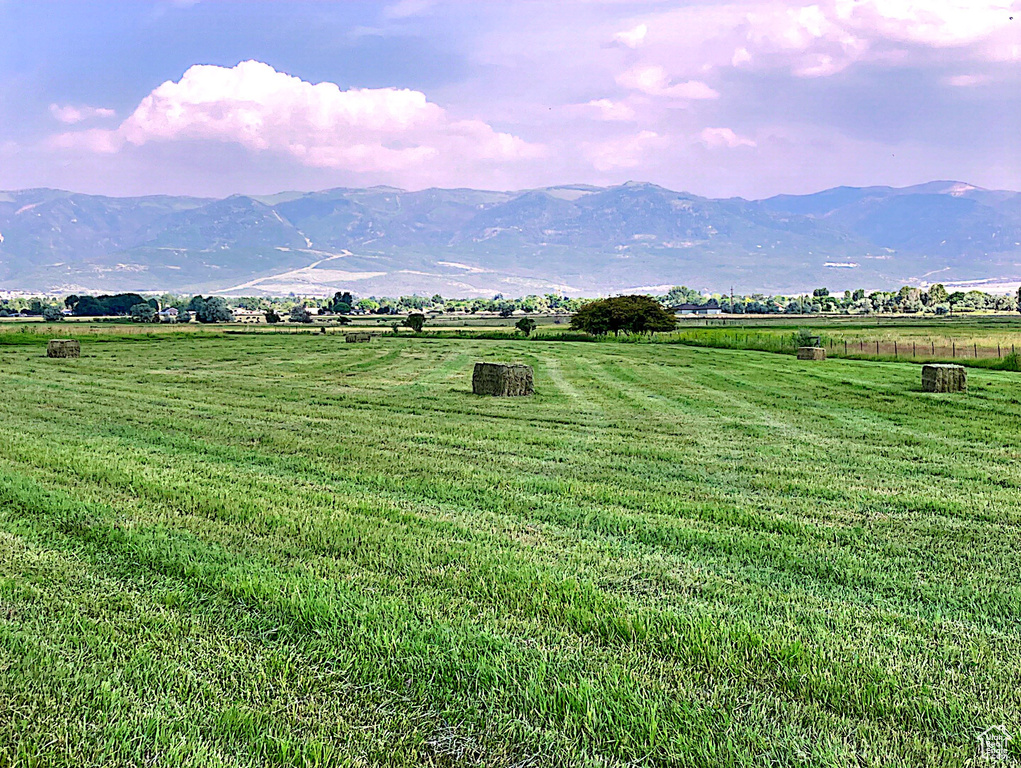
746,98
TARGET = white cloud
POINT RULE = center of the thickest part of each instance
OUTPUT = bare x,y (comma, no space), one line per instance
966,81
612,110
71,115
404,9
817,38
319,125
653,80
724,137
633,37
622,152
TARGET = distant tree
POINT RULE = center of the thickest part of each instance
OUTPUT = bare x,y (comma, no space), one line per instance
213,310
183,316
858,294
52,314
119,303
818,293
938,294
436,299
71,301
395,327
955,298
627,314
1019,299
300,314
143,313
415,321
526,325
368,305
341,303
682,294
88,306
272,316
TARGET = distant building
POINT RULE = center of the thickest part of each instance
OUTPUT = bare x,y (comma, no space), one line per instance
697,309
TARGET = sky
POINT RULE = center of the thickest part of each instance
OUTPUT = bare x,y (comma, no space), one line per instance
748,98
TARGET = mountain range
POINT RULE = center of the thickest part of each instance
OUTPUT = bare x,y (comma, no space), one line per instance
577,239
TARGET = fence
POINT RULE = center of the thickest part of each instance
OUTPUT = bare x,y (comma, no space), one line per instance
928,350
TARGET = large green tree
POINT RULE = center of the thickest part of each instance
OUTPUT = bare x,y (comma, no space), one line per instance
623,314
211,310
938,294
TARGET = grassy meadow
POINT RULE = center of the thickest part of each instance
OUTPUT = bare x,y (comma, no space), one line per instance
273,549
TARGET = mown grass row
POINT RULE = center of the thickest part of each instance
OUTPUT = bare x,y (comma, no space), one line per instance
288,550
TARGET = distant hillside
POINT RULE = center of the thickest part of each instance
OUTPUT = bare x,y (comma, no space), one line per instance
465,242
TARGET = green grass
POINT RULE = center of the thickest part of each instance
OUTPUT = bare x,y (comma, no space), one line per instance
279,549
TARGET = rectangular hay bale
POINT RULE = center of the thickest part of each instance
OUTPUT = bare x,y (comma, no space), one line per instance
502,380
811,353
944,377
63,348
359,337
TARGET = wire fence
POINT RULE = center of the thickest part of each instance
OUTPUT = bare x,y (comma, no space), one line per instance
928,350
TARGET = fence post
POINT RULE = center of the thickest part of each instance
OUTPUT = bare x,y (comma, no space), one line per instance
845,347
914,352
976,350
877,349
895,349
998,353
933,347
953,348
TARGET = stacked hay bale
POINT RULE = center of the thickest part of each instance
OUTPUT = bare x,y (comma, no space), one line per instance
63,348
944,377
811,353
503,380
359,337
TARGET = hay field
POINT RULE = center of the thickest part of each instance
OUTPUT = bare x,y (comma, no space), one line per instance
288,550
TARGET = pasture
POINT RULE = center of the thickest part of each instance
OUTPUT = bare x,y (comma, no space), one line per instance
277,549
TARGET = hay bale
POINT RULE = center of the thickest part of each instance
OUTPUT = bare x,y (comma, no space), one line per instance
944,377
811,353
63,348
359,337
502,380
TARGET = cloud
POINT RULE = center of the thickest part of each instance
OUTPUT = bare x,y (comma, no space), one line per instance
404,9
71,115
633,37
819,38
724,137
319,125
622,152
612,110
653,80
966,81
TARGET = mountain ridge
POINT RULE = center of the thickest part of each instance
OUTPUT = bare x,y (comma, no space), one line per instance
574,238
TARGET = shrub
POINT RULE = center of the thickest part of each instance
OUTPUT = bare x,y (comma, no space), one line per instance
526,325
300,314
415,321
